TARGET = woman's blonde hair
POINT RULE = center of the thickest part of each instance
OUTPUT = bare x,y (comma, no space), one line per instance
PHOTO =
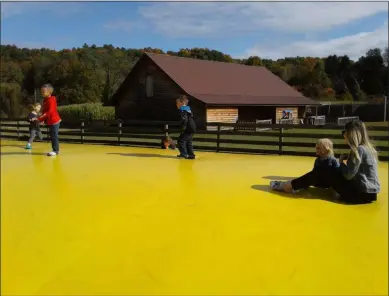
356,134
327,145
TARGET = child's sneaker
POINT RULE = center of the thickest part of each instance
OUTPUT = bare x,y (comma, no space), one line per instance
276,185
28,146
280,186
52,153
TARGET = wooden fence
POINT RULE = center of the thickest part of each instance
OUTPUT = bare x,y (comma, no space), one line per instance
281,139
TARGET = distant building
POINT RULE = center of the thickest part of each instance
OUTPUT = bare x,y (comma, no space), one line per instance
218,92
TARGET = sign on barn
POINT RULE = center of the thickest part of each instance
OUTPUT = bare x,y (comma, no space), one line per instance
286,113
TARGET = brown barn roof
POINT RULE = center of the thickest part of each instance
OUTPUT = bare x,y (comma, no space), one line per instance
218,83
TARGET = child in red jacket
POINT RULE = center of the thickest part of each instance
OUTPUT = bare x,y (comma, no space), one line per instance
50,116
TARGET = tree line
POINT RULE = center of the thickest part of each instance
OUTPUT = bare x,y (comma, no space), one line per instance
93,74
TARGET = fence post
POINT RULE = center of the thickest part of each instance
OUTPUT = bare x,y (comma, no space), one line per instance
218,137
280,140
166,130
17,128
120,131
82,131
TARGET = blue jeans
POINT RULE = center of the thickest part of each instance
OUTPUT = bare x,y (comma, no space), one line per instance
54,129
185,144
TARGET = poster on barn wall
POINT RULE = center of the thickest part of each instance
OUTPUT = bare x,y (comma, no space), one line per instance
286,113
227,115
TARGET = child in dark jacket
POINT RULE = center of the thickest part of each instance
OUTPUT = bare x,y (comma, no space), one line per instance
326,166
188,129
34,124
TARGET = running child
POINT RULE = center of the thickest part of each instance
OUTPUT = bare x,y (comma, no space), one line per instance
34,128
188,129
326,165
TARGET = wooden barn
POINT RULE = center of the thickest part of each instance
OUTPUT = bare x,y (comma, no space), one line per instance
218,92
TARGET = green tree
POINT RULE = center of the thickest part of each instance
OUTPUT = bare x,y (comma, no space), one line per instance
11,73
115,66
11,100
385,55
371,70
253,61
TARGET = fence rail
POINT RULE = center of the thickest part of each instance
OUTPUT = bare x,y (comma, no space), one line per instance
263,138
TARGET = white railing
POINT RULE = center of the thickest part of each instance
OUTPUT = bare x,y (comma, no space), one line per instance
265,121
344,120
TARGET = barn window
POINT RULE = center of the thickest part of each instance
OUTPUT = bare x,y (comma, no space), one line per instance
149,86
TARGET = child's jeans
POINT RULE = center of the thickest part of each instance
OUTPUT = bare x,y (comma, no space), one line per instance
316,178
33,133
185,145
54,129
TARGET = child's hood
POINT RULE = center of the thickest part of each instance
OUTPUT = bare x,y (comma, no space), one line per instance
186,109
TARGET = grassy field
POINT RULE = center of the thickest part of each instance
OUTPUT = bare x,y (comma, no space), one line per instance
209,140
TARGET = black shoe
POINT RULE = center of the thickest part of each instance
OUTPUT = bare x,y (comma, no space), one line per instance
182,156
192,157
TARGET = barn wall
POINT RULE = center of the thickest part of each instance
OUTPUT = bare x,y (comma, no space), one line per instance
256,113
199,111
133,103
266,112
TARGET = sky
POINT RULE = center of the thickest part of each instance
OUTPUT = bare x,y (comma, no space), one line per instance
240,29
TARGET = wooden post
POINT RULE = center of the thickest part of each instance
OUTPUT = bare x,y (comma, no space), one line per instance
17,129
82,131
120,131
166,130
280,140
218,137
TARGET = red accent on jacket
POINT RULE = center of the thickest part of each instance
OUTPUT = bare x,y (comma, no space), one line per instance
49,111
